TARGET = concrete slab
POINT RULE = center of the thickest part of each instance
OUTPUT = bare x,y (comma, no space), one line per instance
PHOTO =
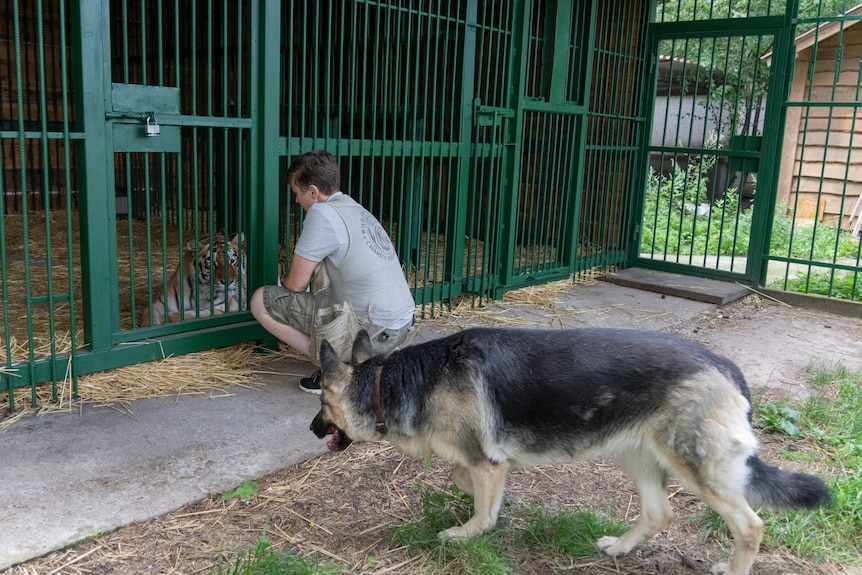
699,289
69,476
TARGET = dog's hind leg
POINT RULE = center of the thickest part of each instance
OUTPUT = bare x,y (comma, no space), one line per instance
744,525
488,482
655,511
721,477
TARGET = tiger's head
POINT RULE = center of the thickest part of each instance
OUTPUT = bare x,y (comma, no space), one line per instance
215,261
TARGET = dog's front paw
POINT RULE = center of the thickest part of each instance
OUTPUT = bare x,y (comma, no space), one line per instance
719,568
459,532
612,546
472,528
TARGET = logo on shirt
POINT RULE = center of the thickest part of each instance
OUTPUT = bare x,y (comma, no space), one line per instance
376,238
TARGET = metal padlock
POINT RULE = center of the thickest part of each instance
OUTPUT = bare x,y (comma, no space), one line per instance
152,128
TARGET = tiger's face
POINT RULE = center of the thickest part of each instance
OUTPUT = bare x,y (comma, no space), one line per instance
215,261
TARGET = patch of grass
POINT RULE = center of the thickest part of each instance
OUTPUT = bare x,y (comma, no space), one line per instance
264,559
555,536
831,420
835,285
441,510
711,524
833,413
572,534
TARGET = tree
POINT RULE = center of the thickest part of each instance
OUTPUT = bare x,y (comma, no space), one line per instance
741,81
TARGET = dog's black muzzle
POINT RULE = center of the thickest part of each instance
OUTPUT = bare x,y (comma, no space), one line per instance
321,428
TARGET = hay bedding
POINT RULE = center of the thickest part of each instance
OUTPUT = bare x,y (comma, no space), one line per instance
192,374
132,263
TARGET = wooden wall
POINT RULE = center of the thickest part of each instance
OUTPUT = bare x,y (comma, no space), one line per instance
821,165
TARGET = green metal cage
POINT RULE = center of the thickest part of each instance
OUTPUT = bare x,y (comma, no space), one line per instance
502,144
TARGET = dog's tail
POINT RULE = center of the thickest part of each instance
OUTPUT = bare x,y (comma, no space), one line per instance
778,489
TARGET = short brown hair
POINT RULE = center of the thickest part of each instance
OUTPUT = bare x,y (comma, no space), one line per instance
317,168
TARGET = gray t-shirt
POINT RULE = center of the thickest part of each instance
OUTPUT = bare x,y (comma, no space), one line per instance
361,260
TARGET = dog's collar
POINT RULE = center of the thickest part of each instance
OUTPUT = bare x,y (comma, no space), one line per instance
378,411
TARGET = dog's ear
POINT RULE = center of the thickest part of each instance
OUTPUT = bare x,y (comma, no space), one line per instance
329,360
362,350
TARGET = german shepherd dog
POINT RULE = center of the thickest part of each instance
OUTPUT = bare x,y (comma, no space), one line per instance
488,400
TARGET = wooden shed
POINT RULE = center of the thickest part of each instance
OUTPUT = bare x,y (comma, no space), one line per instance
821,164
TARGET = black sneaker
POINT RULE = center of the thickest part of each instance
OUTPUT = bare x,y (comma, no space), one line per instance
311,384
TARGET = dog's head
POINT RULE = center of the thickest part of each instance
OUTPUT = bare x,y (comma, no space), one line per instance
337,416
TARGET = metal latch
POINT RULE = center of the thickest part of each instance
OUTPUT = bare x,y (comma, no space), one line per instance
490,115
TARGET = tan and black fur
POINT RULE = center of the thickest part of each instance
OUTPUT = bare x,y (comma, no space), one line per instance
493,399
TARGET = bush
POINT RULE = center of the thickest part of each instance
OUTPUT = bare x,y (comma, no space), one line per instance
678,218
676,221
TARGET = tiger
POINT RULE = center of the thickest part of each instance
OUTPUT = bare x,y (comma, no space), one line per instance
282,264
201,261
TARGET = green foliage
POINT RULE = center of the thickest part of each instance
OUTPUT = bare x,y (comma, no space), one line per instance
740,58
245,490
264,559
820,9
831,422
835,285
774,417
441,510
672,223
573,534
817,242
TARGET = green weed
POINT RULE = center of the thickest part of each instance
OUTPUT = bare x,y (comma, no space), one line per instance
264,559
831,420
245,490
777,417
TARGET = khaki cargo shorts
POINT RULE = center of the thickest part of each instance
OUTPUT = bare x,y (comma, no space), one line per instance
291,308
297,310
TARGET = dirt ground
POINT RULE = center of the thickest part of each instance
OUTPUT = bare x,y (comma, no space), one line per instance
343,508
